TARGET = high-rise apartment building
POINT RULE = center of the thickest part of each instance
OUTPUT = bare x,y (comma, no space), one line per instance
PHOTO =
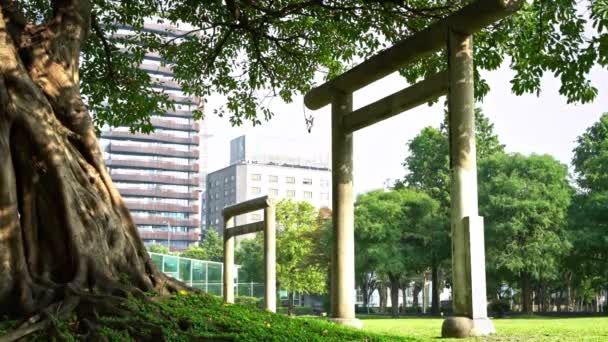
161,175
281,168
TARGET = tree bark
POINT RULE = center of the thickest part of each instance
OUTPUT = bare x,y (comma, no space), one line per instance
394,280
290,304
415,293
383,296
526,294
435,305
62,222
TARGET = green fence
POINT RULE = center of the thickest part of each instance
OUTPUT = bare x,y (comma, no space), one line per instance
203,274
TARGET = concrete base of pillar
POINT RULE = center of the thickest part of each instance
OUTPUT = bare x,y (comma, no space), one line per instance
349,322
462,327
483,327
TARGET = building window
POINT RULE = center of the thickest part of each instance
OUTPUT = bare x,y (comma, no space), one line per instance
225,179
232,177
273,179
255,190
217,195
324,183
225,192
256,177
290,180
325,196
256,217
307,194
291,194
307,181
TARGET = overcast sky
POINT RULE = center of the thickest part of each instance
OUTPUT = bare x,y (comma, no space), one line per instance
525,124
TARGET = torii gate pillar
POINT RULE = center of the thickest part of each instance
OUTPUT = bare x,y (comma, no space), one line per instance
468,259
343,256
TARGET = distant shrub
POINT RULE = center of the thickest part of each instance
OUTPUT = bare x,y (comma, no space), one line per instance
250,301
499,308
298,310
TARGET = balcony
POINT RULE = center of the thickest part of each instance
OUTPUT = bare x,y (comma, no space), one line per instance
188,100
155,179
138,205
154,151
157,193
166,83
164,236
151,165
169,124
179,114
159,137
154,68
165,221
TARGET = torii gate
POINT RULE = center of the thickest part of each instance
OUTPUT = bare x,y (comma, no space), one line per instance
468,257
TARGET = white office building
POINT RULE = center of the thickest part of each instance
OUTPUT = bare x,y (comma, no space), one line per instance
280,168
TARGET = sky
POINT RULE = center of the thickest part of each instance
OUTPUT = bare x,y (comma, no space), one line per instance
544,124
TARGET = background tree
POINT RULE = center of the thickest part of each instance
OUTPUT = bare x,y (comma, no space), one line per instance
301,265
525,201
53,182
212,248
388,224
156,248
299,268
588,217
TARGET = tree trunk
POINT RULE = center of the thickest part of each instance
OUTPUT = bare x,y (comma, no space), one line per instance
435,305
383,296
394,280
404,291
365,298
526,294
290,304
415,293
62,222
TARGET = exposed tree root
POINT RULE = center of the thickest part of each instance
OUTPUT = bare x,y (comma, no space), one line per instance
86,309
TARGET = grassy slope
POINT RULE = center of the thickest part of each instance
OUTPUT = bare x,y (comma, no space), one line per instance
205,318
512,329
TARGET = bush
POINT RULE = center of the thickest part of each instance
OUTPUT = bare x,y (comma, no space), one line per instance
499,308
298,310
250,301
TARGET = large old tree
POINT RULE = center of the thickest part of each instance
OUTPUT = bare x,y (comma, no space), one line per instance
65,233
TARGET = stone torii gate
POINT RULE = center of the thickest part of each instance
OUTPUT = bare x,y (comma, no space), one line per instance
268,226
468,257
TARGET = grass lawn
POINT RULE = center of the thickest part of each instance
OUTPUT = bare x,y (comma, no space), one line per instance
508,329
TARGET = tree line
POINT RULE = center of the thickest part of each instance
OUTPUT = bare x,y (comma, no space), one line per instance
546,230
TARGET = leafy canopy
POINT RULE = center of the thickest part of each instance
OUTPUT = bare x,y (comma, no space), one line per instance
525,200
391,226
301,259
250,51
588,216
211,248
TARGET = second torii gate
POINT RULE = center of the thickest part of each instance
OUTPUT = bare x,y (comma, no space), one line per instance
468,257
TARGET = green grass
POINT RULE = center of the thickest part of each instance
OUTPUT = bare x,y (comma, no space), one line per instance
508,329
190,317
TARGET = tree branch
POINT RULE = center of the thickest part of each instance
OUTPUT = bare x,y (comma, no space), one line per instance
107,48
